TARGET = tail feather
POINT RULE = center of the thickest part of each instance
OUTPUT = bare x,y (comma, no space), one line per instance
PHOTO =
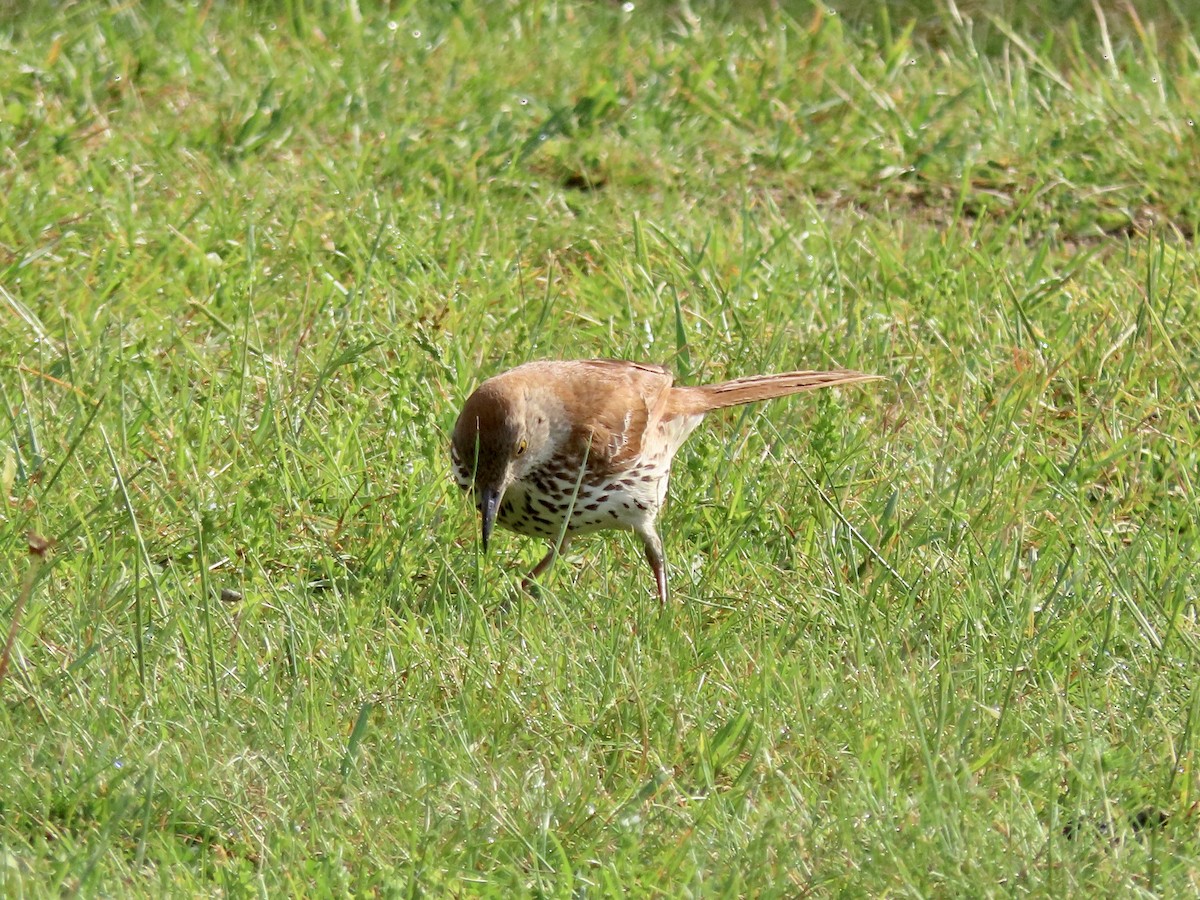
707,397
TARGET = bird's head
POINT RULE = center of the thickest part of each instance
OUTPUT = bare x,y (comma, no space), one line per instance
497,440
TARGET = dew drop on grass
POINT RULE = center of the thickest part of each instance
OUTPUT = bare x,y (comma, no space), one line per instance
393,26
627,7
417,34
524,101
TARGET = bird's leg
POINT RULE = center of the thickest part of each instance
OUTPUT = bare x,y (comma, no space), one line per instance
528,583
652,545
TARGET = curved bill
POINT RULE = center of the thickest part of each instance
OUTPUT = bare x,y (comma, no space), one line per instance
489,504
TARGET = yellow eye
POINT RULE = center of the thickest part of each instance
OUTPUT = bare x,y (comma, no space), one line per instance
521,447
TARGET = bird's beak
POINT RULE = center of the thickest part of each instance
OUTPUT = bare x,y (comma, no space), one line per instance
489,504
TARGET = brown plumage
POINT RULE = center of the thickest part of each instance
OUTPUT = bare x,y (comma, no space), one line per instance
554,449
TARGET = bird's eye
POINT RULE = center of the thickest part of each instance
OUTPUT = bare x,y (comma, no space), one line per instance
521,447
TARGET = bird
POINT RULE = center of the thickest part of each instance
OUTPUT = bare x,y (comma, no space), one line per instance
554,449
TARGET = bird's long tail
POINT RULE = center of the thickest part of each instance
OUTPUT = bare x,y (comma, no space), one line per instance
707,397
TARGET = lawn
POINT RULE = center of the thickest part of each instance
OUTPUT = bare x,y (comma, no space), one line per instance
931,636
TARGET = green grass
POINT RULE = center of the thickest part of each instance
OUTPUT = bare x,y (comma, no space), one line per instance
933,637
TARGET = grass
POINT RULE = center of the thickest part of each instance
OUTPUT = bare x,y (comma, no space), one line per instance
935,637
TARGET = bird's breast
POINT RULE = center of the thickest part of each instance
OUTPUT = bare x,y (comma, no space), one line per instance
462,476
600,498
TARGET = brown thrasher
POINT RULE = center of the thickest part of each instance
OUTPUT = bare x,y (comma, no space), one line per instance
554,449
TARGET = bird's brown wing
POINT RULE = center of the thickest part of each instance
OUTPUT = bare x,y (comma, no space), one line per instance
614,403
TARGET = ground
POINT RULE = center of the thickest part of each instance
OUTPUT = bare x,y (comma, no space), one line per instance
931,636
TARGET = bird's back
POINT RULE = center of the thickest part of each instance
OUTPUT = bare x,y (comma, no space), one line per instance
609,404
